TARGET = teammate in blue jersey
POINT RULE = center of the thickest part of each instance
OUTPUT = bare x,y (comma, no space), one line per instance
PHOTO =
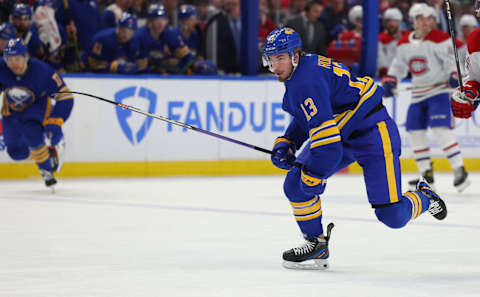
7,32
114,50
22,21
28,117
342,119
156,43
188,20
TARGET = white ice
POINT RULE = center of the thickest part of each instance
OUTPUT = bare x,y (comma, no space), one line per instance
224,237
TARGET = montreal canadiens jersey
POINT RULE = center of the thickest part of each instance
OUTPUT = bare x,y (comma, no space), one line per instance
387,49
472,61
327,104
430,60
27,96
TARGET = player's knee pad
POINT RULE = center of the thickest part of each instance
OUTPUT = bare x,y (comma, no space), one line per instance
18,153
291,187
393,215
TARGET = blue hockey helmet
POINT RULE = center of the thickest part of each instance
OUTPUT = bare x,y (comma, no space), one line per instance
128,21
279,41
15,47
185,11
38,3
156,11
21,9
7,31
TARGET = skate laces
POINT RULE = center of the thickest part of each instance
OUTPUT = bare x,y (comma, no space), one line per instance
305,248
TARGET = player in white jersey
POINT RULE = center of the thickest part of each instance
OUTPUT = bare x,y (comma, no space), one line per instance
464,104
428,54
387,40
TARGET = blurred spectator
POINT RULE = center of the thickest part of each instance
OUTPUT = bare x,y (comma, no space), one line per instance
51,34
139,9
297,7
467,24
5,9
355,17
224,37
387,46
112,49
278,12
114,12
334,18
22,21
442,22
7,32
266,24
311,31
171,6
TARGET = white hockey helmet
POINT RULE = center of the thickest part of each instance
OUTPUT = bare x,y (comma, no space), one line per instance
468,20
433,13
418,9
355,13
393,14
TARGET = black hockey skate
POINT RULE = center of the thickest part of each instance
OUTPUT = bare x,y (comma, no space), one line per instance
311,255
461,181
427,175
437,207
48,178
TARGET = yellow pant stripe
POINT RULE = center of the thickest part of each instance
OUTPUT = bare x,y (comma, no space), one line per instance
389,166
309,217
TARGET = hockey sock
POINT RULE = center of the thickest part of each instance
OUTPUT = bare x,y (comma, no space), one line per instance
419,203
449,145
421,150
41,156
309,216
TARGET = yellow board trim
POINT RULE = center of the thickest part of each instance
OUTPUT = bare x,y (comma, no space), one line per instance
20,170
389,166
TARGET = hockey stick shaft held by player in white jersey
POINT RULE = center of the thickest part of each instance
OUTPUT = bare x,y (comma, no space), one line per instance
451,25
186,126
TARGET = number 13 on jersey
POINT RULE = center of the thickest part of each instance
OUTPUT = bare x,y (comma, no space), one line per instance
309,108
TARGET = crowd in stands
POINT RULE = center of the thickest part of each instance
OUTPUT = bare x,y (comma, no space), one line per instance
199,36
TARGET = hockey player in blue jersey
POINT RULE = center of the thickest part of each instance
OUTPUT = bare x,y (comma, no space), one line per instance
22,21
157,44
28,117
188,20
7,32
342,119
114,50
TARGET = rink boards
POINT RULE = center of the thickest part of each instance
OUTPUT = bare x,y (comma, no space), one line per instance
105,140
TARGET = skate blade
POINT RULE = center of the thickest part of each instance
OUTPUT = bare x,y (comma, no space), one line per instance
463,185
317,264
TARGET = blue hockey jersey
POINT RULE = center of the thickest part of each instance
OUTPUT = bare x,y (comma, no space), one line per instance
28,96
327,104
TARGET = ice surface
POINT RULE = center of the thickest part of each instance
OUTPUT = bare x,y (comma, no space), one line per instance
224,237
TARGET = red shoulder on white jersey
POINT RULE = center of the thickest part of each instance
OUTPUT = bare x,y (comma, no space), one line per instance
435,36
473,41
385,38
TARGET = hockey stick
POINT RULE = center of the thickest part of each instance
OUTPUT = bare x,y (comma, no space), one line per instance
451,25
165,119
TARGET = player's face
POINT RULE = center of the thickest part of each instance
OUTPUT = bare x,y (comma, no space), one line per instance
18,64
158,24
282,66
422,26
21,23
392,26
192,22
124,34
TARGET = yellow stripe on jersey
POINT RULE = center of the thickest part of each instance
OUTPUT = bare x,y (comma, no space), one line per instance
325,141
368,94
325,133
323,125
389,165
5,106
281,139
47,109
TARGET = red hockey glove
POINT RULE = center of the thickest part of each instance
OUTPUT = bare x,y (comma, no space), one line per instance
462,103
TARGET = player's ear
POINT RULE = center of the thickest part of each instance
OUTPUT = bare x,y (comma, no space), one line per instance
297,57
